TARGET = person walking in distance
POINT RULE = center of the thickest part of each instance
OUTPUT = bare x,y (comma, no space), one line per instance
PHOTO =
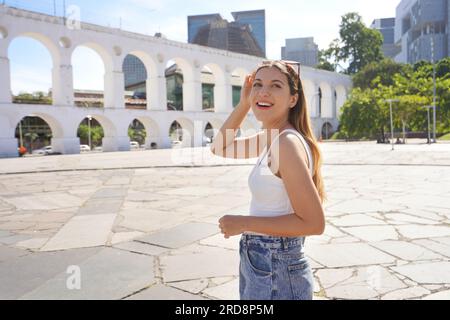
286,185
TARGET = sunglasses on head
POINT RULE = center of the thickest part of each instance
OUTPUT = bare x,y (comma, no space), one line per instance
294,65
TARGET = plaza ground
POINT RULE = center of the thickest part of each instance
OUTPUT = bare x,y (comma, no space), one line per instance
143,224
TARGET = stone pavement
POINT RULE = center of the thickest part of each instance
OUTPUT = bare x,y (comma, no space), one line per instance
143,224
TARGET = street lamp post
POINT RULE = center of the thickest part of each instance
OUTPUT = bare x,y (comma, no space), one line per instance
434,83
428,127
89,131
392,125
20,133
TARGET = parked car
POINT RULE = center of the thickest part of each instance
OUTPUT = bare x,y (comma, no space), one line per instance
139,95
134,145
99,149
176,143
43,151
206,141
84,148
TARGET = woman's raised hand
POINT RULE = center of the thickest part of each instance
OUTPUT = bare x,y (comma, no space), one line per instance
246,90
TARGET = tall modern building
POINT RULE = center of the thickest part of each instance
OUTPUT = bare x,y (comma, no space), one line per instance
196,22
247,34
386,26
302,50
422,30
256,20
134,73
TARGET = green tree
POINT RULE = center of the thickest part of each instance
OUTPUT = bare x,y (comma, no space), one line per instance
137,135
443,68
32,136
376,73
96,134
358,45
325,56
363,117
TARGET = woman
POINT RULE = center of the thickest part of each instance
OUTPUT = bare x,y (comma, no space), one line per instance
286,185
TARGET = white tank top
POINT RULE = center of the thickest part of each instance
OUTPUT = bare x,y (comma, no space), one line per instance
269,195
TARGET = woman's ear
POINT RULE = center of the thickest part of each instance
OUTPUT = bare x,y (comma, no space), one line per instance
293,101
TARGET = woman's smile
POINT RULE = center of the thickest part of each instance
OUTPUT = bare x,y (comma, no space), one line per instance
262,105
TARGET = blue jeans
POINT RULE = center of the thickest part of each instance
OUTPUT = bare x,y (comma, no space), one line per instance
274,268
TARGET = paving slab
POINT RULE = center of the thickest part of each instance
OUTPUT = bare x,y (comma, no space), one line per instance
13,239
443,295
110,193
192,286
202,262
347,255
81,232
426,273
140,247
119,237
219,240
373,233
406,250
356,220
22,275
131,272
227,291
9,254
423,231
366,283
408,293
162,292
47,201
101,206
181,235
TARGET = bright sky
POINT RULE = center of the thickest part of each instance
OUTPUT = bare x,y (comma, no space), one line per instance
284,19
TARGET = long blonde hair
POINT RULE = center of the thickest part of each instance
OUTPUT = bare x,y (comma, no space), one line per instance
299,119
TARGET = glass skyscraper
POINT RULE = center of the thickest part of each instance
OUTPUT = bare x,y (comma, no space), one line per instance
196,22
253,22
256,19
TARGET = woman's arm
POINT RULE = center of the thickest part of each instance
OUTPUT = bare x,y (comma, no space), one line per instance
225,143
282,226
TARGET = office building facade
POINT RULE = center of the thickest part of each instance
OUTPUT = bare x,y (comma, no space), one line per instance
256,20
386,26
422,30
302,50
246,34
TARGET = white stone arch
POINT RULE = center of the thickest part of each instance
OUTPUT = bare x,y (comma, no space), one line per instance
61,141
153,132
155,82
326,100
192,87
110,89
53,52
222,88
104,54
111,133
188,131
216,124
237,78
327,130
341,97
311,96
192,91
